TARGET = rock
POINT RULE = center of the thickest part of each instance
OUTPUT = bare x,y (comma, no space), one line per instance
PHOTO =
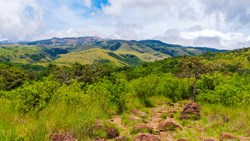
227,136
168,126
142,128
112,133
122,139
146,137
182,139
62,137
109,129
141,114
134,118
191,111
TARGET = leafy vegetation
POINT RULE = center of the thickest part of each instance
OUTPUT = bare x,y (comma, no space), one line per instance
36,101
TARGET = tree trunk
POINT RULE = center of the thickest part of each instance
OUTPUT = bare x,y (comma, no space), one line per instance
194,90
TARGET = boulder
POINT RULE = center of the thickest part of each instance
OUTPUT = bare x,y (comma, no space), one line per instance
146,137
168,126
142,128
62,137
112,132
191,111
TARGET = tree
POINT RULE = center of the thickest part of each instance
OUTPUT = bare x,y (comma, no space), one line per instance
192,67
10,78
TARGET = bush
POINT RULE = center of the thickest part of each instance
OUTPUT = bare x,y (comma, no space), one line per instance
226,90
35,96
166,85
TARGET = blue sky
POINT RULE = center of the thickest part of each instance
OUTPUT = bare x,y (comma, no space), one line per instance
220,24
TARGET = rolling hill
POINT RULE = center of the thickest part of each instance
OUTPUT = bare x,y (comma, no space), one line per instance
87,50
23,54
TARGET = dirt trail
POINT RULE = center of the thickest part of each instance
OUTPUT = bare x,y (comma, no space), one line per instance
157,115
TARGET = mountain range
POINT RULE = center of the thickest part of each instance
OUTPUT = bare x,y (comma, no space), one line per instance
87,50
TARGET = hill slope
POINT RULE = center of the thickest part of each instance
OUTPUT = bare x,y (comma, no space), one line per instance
23,54
84,50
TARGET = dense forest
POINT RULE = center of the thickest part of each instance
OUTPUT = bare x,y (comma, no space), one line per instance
37,102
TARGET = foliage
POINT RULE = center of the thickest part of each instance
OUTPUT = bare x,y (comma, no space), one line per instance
35,96
37,101
226,90
11,78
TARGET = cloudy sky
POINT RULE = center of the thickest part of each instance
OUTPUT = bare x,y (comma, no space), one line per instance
221,24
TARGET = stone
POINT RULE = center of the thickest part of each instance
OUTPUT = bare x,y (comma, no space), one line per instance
142,128
191,111
168,126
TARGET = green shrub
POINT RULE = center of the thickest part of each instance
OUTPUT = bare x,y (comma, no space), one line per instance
35,96
226,90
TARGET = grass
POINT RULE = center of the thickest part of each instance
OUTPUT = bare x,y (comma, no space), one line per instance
87,57
215,120
147,54
58,118
62,118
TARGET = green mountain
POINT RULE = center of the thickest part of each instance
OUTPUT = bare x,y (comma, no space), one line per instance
87,50
23,54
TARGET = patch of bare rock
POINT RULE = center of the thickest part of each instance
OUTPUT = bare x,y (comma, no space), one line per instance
146,137
142,128
191,111
168,125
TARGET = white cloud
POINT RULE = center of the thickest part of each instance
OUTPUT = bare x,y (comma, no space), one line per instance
87,3
20,19
206,38
213,23
248,38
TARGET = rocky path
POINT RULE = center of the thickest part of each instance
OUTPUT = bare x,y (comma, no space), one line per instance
168,122
154,118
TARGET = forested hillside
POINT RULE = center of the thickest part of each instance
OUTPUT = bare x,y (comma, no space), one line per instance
88,50
77,101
